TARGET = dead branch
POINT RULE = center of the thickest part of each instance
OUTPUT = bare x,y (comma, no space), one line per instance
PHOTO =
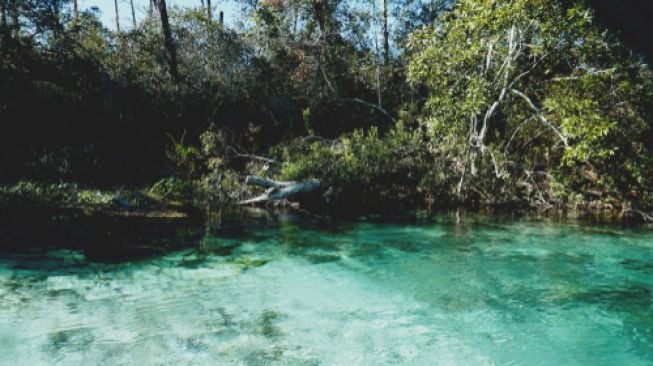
278,190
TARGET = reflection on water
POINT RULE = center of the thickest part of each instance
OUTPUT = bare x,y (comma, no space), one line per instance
298,291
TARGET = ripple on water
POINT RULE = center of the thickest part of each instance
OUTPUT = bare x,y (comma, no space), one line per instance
368,294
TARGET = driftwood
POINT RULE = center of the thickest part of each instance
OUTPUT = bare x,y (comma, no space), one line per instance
277,190
239,155
638,215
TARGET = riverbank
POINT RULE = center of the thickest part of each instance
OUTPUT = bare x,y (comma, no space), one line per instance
71,199
118,202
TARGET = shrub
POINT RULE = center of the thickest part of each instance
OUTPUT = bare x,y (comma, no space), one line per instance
173,189
364,169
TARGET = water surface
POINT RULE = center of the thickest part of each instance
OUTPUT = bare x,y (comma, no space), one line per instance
292,291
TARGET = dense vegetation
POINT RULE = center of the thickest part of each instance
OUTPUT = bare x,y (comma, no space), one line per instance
392,104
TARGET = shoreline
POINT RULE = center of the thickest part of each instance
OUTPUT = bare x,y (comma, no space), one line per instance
137,204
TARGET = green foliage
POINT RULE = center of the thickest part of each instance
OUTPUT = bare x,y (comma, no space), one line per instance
510,101
173,189
52,195
534,84
365,170
186,158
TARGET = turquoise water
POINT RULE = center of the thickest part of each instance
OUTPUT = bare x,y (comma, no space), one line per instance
284,291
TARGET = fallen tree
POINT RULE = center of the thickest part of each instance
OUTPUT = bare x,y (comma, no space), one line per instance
277,190
638,215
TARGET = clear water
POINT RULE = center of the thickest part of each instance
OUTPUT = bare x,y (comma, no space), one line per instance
291,293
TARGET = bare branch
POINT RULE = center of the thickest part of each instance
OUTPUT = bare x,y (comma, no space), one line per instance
509,56
357,100
373,106
239,155
590,73
537,63
505,149
498,172
488,58
326,79
541,117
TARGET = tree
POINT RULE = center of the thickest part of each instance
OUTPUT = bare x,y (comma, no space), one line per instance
412,14
505,77
3,15
15,17
386,41
115,2
168,41
131,2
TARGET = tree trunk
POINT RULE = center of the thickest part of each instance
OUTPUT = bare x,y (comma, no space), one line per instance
209,11
319,13
57,25
322,16
386,42
15,18
3,16
168,42
150,10
131,2
75,9
278,190
115,2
